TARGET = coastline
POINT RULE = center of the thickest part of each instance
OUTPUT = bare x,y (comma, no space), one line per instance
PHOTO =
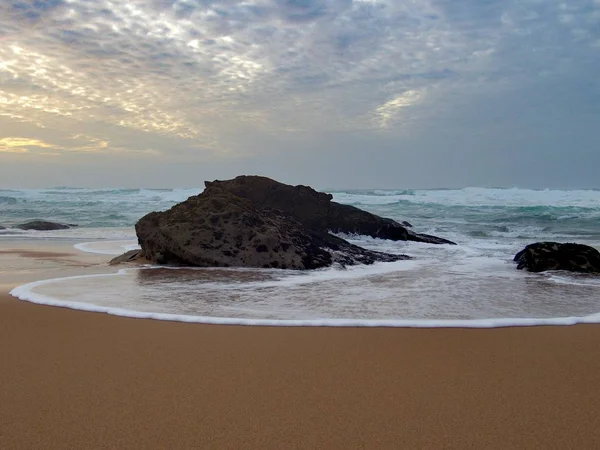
74,379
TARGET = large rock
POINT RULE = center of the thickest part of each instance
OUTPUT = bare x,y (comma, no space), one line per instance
543,256
220,229
316,210
43,225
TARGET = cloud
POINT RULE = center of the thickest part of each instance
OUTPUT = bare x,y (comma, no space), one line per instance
15,142
390,109
17,145
181,68
79,143
217,77
13,149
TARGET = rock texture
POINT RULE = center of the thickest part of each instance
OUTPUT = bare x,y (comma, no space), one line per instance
43,225
316,210
543,256
220,229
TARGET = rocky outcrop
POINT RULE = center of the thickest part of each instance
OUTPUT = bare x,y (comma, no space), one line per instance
221,229
316,210
43,225
543,256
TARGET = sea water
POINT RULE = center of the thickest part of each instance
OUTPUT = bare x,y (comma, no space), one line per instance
472,284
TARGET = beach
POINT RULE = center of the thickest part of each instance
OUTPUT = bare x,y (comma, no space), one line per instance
73,379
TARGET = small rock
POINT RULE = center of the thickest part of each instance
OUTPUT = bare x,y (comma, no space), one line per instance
42,225
543,256
128,257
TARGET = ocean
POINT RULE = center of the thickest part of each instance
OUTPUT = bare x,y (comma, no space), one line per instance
473,284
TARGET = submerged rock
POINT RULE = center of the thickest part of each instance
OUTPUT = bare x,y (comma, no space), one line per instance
43,225
543,256
132,256
220,229
317,210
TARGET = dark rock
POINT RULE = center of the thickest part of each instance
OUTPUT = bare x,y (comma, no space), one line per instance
42,225
132,256
555,256
316,210
406,224
427,238
219,228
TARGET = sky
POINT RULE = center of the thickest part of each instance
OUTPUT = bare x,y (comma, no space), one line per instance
335,94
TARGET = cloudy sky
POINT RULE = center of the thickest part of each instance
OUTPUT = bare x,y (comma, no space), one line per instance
338,93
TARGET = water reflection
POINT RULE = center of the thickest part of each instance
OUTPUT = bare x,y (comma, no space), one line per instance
432,292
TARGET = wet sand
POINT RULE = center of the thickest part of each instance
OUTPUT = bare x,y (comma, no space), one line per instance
72,379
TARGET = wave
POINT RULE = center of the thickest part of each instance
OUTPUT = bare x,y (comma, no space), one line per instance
65,188
89,207
374,192
75,234
4,200
26,293
113,248
12,232
74,194
459,214
474,196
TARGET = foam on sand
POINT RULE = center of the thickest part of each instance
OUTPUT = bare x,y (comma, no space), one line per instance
27,293
107,247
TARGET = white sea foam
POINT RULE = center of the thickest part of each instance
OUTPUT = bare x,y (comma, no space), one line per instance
170,195
107,247
474,196
27,293
78,233
11,232
560,277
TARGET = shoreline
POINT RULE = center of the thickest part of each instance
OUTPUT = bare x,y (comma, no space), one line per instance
75,379
25,293
72,255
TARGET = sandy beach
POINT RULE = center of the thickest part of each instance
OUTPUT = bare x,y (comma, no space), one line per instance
73,379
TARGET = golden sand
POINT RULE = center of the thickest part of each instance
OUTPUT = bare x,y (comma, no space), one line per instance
78,380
